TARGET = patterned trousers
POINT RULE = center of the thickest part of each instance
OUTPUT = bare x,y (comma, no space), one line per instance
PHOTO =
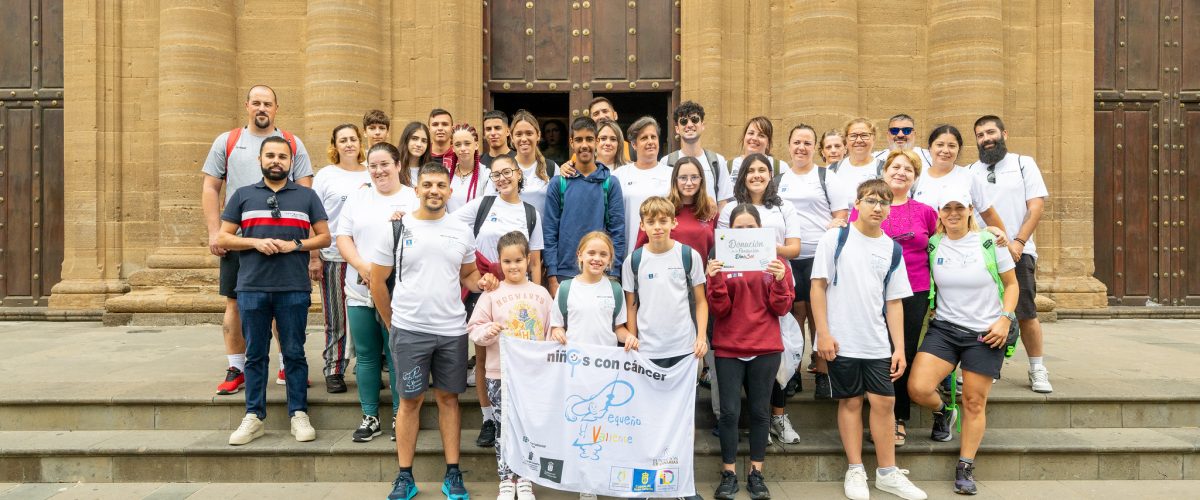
493,392
338,346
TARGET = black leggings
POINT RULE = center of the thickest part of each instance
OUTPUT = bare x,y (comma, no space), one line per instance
915,309
758,376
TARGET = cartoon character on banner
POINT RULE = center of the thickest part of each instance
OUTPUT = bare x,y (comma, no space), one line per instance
593,409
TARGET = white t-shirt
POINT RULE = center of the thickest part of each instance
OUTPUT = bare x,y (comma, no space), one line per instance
534,192
928,189
589,313
855,304
723,191
664,317
412,175
782,219
503,218
852,176
926,158
334,185
813,211
736,166
366,218
966,294
636,186
427,296
460,184
1013,188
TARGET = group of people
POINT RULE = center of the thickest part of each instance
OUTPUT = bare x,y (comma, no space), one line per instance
447,239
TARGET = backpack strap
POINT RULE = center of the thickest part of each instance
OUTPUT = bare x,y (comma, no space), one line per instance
879,169
821,172
635,261
935,241
288,136
618,299
605,187
775,165
485,206
836,165
897,254
231,142
397,234
686,254
843,234
987,240
712,159
672,158
530,218
564,289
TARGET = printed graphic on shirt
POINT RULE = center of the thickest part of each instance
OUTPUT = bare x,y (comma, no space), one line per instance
523,322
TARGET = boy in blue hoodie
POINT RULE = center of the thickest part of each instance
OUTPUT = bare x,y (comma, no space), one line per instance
588,201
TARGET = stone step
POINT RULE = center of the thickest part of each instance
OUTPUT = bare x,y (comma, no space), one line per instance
204,456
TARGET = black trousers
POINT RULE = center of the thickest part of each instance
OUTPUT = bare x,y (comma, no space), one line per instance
758,376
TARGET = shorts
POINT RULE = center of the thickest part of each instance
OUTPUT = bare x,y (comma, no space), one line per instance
1027,284
852,377
416,356
802,273
954,344
230,264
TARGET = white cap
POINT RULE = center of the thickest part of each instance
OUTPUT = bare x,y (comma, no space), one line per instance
948,196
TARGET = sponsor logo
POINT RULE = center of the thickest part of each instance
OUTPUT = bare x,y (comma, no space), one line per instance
643,480
619,477
666,480
551,469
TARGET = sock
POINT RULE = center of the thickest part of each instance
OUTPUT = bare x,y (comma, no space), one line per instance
857,466
778,418
1035,361
884,471
451,468
237,361
488,413
281,361
941,409
965,460
406,469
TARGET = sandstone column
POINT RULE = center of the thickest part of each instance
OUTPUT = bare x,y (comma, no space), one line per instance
818,78
438,60
966,66
342,70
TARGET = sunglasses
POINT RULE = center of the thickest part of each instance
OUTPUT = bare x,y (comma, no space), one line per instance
991,176
694,119
898,130
904,237
273,204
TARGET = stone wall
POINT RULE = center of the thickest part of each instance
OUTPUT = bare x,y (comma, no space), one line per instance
151,83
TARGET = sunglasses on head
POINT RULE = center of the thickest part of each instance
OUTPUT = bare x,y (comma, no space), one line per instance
273,204
695,119
898,130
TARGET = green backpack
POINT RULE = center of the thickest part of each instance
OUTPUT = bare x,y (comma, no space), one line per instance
564,290
987,242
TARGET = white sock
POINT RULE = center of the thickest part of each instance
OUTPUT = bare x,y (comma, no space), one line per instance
237,361
488,413
281,361
1035,361
857,466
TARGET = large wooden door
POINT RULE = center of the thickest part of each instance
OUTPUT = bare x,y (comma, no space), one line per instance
1147,100
31,150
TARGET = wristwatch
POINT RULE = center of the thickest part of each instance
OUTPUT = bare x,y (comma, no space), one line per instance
299,244
1010,315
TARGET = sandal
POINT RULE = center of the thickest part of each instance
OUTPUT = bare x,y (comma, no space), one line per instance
901,436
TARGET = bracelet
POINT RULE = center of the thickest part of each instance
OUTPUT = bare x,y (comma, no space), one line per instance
1021,241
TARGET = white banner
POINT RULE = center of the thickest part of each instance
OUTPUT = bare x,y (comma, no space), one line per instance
597,419
745,249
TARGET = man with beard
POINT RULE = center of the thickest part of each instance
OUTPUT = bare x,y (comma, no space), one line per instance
233,163
441,123
1014,184
274,217
689,126
902,135
432,256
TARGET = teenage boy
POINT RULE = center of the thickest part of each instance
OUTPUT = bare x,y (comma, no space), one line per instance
274,217
664,290
589,201
426,321
689,126
902,136
858,277
376,125
441,124
495,132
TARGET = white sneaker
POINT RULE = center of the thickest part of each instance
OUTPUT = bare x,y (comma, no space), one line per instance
897,483
471,377
587,496
855,484
1039,379
508,491
301,428
781,428
524,489
250,429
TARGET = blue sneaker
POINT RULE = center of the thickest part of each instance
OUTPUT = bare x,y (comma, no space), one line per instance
404,487
453,486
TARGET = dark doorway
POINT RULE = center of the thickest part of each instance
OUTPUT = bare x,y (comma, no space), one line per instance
631,106
550,109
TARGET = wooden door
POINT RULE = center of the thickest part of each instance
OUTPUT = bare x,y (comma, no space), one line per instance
31,150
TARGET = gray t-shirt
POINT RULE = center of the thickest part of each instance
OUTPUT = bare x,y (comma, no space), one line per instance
244,168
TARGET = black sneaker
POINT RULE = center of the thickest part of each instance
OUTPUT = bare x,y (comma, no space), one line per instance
728,487
823,389
487,435
794,385
404,487
964,479
335,384
757,486
943,424
367,430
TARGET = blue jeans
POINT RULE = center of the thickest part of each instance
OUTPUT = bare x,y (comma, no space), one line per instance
290,312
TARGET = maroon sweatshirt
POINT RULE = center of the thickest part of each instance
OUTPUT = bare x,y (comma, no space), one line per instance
746,306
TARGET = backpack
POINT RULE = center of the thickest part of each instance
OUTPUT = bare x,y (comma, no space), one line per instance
686,253
709,157
820,175
485,206
987,242
565,288
397,232
235,134
843,235
606,186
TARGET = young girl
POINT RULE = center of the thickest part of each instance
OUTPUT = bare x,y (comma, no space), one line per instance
468,178
517,308
414,151
591,309
535,168
747,345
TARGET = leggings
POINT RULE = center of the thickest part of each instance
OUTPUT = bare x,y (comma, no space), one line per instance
915,310
493,392
758,376
370,345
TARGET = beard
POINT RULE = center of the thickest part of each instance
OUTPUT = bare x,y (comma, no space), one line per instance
262,121
272,175
994,155
906,146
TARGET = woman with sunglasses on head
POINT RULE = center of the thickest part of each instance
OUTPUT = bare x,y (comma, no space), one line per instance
943,175
414,151
757,138
832,147
858,165
645,177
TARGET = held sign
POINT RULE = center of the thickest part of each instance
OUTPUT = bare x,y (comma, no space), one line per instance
597,419
746,249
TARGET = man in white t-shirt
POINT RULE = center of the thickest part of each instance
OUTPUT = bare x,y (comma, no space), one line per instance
689,126
902,135
427,320
858,279
1015,187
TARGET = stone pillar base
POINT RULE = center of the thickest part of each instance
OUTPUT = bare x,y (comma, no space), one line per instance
85,294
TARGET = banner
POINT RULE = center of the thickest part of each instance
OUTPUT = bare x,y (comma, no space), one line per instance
597,419
746,249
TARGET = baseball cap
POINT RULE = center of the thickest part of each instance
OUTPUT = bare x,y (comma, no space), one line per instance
950,195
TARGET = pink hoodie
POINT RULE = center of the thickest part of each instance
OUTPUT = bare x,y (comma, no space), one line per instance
522,310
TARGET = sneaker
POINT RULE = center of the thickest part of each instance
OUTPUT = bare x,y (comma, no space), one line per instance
823,390
525,489
404,487
367,430
250,429
728,487
453,487
855,484
897,483
487,435
943,424
302,428
793,386
281,380
507,491
587,496
1039,380
757,486
235,380
964,479
781,428
335,384
945,386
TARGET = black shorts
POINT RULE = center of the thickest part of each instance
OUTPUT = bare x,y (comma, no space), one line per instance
802,273
1027,284
955,345
852,377
230,263
417,355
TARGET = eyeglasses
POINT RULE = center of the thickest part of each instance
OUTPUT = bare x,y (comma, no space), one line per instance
991,176
506,173
273,204
898,130
689,179
858,137
875,202
694,119
904,237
